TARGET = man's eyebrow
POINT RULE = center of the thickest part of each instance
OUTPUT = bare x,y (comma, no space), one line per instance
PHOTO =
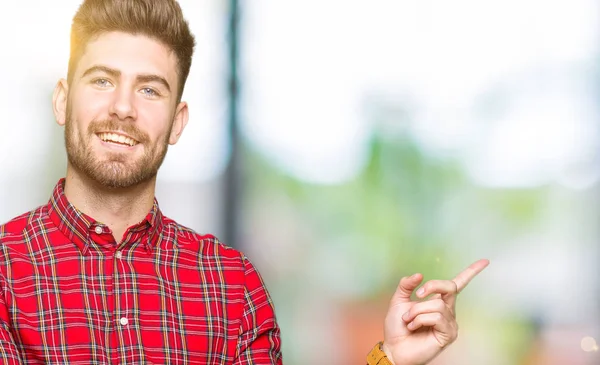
116,73
154,78
107,70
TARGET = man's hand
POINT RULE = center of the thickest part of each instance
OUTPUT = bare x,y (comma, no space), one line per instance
417,331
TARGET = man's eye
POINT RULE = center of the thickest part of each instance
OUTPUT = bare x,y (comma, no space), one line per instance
149,92
101,82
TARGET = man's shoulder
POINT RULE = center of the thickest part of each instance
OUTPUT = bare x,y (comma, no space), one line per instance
208,244
14,233
15,228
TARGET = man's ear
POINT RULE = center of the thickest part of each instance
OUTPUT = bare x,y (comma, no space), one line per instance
59,101
179,122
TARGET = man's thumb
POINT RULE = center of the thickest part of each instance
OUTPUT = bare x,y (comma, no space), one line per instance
406,287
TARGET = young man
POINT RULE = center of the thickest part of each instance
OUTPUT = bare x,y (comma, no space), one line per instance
100,276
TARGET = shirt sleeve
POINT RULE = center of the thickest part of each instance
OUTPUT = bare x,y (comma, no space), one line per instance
9,352
259,342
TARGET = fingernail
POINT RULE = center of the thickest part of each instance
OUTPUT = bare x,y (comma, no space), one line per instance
405,316
421,291
413,276
411,325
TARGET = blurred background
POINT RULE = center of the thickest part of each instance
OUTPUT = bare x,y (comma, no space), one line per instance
344,144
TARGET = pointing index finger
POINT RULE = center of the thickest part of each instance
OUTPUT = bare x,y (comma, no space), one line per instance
469,273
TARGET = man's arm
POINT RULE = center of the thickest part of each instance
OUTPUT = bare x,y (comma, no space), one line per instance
9,352
259,342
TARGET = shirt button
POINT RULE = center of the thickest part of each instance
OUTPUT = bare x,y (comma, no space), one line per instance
98,230
124,321
119,255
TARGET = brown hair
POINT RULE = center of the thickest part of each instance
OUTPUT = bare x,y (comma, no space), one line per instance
158,19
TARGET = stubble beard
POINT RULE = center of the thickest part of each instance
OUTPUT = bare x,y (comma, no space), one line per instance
116,170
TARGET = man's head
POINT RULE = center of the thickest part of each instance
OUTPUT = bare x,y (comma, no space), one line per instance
161,20
121,104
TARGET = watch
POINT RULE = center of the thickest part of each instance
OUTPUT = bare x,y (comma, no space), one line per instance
377,356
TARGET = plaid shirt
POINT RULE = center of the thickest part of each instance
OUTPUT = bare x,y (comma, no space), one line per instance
165,295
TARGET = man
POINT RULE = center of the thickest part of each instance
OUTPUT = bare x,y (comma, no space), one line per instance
100,276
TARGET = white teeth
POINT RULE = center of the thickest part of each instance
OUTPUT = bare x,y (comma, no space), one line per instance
113,137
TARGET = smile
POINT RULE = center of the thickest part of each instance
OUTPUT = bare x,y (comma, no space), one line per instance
118,139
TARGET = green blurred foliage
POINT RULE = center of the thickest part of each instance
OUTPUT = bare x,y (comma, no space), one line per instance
405,212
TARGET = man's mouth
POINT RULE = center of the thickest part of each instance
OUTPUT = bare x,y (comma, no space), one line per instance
117,139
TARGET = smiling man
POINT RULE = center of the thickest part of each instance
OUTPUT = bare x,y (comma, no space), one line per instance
100,276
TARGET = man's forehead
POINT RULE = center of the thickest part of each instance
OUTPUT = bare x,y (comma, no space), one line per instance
131,54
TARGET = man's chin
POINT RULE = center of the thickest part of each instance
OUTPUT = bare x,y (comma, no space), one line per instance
120,183
115,171
119,176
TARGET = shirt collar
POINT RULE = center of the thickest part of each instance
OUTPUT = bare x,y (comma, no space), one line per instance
77,226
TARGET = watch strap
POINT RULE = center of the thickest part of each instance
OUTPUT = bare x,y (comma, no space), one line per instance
377,357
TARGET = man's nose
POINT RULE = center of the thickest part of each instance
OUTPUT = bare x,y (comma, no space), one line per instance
123,104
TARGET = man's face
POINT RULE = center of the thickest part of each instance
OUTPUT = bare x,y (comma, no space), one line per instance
121,109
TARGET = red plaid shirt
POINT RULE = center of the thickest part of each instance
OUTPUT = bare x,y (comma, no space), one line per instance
165,295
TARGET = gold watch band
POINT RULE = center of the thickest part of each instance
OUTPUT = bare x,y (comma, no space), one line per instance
377,356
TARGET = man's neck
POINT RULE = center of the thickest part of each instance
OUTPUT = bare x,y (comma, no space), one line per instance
118,208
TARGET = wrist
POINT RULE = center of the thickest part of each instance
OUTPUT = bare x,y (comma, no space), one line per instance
387,351
388,354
